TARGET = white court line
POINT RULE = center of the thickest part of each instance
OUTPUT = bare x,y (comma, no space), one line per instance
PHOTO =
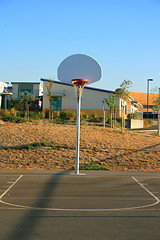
157,199
86,210
11,186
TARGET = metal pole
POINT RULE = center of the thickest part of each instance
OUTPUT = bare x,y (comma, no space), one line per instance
149,80
104,117
78,131
147,96
159,117
158,122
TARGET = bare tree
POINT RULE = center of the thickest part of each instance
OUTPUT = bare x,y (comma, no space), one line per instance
49,85
26,98
123,93
157,107
111,102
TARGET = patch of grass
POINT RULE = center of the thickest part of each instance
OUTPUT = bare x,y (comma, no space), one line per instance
93,167
36,145
31,146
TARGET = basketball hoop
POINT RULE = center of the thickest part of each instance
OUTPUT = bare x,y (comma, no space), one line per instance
81,70
80,82
79,85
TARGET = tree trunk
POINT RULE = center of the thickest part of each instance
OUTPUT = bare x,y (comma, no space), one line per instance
50,109
104,117
123,120
159,123
27,111
114,117
111,120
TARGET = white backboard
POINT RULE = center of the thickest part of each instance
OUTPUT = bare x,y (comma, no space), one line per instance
79,66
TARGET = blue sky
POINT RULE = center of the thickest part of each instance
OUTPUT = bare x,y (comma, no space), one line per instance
122,35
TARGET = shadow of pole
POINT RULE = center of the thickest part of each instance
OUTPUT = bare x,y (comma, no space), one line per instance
134,151
24,230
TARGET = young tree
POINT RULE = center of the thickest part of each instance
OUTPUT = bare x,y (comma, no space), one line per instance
27,99
13,103
49,85
111,102
123,93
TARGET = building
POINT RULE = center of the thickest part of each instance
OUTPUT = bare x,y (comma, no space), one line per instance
35,88
142,98
148,110
61,96
4,95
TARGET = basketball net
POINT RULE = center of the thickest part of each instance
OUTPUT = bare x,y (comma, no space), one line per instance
78,86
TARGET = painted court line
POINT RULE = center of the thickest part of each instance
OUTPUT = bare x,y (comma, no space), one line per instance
157,199
11,186
83,210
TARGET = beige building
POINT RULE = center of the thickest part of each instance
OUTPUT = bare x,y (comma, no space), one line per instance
4,95
61,96
35,88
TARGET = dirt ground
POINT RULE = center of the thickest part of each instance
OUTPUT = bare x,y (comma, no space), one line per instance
99,146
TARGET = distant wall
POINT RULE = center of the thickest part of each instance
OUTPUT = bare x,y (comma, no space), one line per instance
136,123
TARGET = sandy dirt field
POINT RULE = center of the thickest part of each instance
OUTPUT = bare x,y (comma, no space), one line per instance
99,146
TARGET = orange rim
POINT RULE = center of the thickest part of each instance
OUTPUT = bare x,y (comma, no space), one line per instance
80,82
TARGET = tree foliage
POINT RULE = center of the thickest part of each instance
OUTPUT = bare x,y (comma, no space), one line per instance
49,85
26,98
14,102
123,91
110,101
157,103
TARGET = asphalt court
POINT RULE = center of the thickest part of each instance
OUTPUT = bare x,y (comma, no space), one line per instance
60,195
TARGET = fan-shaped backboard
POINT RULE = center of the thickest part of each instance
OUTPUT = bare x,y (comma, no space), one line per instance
79,66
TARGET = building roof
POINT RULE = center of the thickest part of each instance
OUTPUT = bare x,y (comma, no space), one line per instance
25,83
89,88
6,93
142,97
137,104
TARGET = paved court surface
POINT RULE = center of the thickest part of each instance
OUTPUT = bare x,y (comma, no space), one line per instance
46,205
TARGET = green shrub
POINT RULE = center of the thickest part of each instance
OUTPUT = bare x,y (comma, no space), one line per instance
35,115
21,114
101,119
84,116
5,112
59,121
135,116
13,112
84,122
46,114
150,121
55,114
94,117
64,115
13,119
72,115
119,119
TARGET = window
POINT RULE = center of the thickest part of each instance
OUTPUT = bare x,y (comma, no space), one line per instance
56,103
25,90
125,109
